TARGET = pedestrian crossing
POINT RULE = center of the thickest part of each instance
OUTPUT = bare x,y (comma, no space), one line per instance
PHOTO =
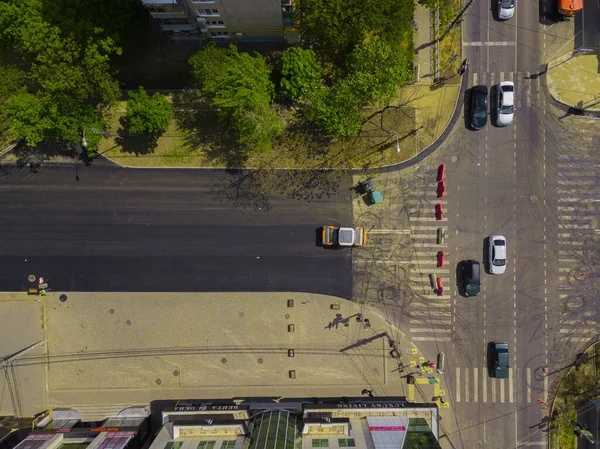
473,384
575,179
430,313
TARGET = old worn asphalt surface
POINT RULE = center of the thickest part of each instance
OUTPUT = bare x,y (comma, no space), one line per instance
103,228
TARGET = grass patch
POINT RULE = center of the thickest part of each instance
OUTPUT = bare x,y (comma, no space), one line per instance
577,387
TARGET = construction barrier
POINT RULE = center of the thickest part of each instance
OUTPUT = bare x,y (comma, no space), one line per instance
441,172
439,214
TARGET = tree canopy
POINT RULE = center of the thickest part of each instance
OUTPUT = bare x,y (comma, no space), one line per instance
239,86
71,80
150,115
298,73
337,111
337,26
375,70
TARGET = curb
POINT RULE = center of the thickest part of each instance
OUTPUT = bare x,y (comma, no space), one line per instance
434,145
571,110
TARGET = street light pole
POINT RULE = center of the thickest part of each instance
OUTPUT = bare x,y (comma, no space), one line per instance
397,142
97,131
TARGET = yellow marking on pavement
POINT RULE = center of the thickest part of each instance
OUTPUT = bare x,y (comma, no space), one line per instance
411,392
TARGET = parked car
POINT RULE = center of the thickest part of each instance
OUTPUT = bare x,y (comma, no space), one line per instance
505,103
497,254
479,107
498,362
471,277
506,9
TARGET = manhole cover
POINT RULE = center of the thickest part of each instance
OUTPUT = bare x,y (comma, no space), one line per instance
175,373
111,311
260,361
287,316
31,278
223,360
128,322
158,381
62,297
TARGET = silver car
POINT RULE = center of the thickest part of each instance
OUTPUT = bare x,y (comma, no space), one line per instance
497,254
506,9
505,103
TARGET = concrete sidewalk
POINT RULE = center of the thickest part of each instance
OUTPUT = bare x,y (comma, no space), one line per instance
123,348
574,80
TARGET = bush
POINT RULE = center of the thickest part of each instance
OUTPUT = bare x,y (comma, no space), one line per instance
148,115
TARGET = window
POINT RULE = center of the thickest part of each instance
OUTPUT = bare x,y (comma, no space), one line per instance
228,444
219,34
206,445
215,23
320,443
346,442
173,444
207,12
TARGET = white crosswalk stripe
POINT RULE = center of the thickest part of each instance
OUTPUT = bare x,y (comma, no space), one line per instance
578,209
473,384
430,312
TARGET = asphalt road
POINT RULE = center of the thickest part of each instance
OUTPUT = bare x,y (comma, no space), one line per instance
533,182
511,182
158,230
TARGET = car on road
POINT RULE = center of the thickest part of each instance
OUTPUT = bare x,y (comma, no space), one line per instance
505,103
498,362
343,236
471,277
497,254
506,9
479,105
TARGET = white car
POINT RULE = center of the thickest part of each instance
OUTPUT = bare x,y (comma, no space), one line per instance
505,103
506,9
497,254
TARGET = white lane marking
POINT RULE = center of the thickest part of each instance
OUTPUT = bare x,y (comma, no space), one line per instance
389,231
528,385
431,339
467,389
426,219
511,397
493,381
457,384
502,390
490,44
484,386
475,384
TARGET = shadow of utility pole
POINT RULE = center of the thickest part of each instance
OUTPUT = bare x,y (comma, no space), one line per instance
364,341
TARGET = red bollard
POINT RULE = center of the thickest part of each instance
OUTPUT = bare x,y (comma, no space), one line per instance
440,259
441,172
439,214
441,189
440,287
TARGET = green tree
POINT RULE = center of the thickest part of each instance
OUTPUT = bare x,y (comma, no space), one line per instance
146,114
239,86
375,70
298,73
37,118
337,26
337,111
431,4
71,82
13,81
